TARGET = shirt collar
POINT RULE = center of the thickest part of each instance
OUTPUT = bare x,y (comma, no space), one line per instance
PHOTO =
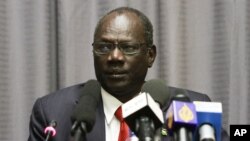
110,105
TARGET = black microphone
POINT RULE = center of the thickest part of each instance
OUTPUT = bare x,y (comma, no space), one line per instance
84,114
158,90
181,117
50,130
142,114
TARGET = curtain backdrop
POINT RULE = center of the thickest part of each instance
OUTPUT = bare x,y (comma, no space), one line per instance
45,45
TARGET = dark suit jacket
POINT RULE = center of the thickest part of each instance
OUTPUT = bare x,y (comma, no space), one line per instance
59,105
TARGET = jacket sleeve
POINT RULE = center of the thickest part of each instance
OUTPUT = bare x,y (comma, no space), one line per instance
37,123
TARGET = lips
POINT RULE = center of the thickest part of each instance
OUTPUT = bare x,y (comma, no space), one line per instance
116,74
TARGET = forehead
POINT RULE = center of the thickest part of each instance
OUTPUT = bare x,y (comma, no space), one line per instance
121,26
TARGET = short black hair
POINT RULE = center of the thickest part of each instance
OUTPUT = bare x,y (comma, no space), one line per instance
147,25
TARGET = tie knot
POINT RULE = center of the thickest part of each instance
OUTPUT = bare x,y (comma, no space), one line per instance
118,114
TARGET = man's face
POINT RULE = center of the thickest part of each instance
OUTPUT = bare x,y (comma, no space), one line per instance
119,74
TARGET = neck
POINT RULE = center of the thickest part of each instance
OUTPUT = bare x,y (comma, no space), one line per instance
126,96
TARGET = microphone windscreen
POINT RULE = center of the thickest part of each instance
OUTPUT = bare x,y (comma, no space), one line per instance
85,110
180,96
51,128
158,91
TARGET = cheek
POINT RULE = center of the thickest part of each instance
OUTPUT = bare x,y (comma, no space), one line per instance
140,66
98,63
98,60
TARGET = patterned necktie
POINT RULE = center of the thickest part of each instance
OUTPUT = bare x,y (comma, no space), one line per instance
124,129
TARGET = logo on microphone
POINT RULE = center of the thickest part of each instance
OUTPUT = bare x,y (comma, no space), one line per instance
180,114
185,113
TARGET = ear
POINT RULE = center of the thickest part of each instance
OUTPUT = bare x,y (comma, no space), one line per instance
151,55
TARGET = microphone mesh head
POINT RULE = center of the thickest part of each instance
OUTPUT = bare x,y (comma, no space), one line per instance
158,90
85,110
180,95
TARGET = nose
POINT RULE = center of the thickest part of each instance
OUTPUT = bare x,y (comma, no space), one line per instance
116,55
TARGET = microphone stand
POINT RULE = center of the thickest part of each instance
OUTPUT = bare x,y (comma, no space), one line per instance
79,131
145,129
48,136
50,130
183,135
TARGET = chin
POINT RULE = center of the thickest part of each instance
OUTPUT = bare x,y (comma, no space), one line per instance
117,88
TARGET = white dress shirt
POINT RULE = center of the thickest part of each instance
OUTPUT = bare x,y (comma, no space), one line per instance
112,124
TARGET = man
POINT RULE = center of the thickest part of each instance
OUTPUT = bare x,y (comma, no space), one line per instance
123,51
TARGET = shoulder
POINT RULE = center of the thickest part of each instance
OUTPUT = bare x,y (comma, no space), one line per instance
67,94
193,95
53,103
56,106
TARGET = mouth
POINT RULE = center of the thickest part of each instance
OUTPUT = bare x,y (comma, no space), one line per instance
116,74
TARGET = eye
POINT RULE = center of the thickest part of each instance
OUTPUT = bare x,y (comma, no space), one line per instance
129,47
103,47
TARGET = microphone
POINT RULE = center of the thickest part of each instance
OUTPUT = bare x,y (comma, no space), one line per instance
158,90
181,118
209,121
83,116
50,130
142,114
